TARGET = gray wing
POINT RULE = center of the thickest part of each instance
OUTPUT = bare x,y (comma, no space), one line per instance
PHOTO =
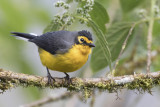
56,42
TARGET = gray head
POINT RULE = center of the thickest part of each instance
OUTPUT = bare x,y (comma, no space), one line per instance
84,38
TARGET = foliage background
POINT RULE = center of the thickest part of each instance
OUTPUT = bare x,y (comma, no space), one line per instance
34,16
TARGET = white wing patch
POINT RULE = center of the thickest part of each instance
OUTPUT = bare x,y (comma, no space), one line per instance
20,38
33,34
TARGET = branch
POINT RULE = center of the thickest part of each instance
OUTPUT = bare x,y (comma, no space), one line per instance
47,100
140,82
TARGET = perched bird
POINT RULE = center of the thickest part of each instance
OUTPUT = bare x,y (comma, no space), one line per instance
62,51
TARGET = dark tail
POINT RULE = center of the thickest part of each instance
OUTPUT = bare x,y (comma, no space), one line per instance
23,35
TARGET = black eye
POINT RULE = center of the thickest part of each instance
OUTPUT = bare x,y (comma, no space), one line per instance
82,40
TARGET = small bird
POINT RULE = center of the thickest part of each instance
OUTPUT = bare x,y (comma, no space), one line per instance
63,51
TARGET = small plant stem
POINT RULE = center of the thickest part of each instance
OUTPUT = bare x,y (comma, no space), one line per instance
149,37
123,47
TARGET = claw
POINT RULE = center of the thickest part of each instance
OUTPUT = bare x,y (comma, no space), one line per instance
67,78
50,78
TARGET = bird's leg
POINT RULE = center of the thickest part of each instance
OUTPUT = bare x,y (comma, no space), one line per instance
50,78
67,78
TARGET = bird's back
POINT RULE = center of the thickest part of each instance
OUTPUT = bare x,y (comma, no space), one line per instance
55,42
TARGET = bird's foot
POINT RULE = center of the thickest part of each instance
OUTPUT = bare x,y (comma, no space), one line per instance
68,79
50,79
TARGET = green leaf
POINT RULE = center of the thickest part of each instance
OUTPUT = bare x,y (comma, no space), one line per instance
128,5
103,45
104,3
116,35
100,16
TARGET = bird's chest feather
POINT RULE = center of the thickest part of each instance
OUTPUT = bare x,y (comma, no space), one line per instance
74,59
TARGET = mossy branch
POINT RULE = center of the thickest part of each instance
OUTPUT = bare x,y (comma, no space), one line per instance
141,81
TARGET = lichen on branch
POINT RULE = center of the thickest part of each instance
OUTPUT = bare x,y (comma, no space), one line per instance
141,82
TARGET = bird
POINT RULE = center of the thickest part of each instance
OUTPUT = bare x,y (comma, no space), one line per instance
63,51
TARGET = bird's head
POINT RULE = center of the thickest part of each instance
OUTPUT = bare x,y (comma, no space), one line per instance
85,38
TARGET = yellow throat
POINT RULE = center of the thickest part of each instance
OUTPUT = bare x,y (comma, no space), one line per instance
71,61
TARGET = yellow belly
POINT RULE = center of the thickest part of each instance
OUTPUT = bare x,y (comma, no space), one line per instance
71,61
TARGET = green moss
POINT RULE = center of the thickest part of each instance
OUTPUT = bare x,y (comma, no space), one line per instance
143,85
87,93
76,85
5,85
110,86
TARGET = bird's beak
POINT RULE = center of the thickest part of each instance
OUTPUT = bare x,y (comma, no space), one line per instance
91,45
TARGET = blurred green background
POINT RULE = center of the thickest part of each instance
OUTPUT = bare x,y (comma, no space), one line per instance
16,55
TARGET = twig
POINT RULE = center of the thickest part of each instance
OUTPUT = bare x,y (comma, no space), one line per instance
49,100
149,41
149,37
117,96
123,47
92,102
144,82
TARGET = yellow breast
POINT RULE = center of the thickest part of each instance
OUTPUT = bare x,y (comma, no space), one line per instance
71,61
